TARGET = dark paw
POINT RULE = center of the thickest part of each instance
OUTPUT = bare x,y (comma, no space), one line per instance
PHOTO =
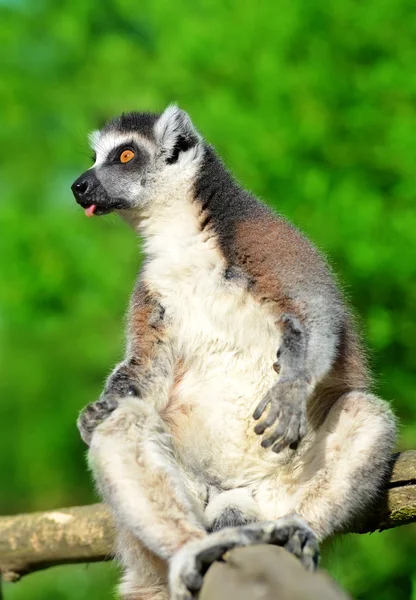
94,414
293,534
190,564
286,406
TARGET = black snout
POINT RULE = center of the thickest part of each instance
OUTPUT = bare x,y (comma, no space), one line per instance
80,187
83,187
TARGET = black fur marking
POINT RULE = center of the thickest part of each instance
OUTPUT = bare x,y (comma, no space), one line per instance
142,123
231,517
225,200
141,157
230,273
206,221
120,383
182,144
291,356
237,275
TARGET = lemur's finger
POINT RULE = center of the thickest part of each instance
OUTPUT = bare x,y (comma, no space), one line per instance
289,435
310,554
278,446
277,434
261,407
302,426
296,542
272,415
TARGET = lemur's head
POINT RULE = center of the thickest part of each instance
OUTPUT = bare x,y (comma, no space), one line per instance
138,156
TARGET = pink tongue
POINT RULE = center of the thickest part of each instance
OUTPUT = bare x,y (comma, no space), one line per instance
90,210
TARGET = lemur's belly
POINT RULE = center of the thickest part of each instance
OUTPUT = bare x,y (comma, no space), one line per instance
225,346
210,417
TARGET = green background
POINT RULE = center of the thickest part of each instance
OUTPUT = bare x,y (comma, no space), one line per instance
312,105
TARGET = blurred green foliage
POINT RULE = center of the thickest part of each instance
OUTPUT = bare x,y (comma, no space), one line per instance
313,106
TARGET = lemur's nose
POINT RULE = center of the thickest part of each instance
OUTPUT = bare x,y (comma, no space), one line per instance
80,188
84,187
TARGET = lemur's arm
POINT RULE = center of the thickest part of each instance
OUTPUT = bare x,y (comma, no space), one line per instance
137,374
286,400
146,337
289,276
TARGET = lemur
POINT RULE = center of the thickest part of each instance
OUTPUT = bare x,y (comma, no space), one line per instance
241,413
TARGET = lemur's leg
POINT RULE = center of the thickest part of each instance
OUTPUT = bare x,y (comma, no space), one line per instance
345,470
324,489
192,561
133,463
145,575
338,471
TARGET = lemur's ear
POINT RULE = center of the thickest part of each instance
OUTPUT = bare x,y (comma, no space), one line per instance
175,133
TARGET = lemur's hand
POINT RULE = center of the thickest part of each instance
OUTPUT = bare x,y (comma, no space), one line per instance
94,414
121,383
286,402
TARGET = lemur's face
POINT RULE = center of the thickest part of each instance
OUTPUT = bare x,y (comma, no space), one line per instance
135,156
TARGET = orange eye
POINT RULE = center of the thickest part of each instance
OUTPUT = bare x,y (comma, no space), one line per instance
126,156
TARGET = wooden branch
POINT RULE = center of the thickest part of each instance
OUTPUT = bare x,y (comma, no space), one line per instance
398,506
34,541
269,573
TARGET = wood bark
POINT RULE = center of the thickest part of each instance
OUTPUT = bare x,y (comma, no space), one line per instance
33,541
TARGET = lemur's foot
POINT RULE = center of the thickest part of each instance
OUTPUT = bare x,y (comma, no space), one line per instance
189,565
286,402
94,414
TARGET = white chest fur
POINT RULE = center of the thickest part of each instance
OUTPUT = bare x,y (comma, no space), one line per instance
224,343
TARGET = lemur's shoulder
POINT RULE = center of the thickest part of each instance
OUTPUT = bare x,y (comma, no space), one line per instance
281,262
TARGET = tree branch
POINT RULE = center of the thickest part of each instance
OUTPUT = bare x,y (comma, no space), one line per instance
269,573
29,542
34,541
398,506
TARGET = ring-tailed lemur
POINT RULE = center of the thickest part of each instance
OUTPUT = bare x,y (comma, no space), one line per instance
226,286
